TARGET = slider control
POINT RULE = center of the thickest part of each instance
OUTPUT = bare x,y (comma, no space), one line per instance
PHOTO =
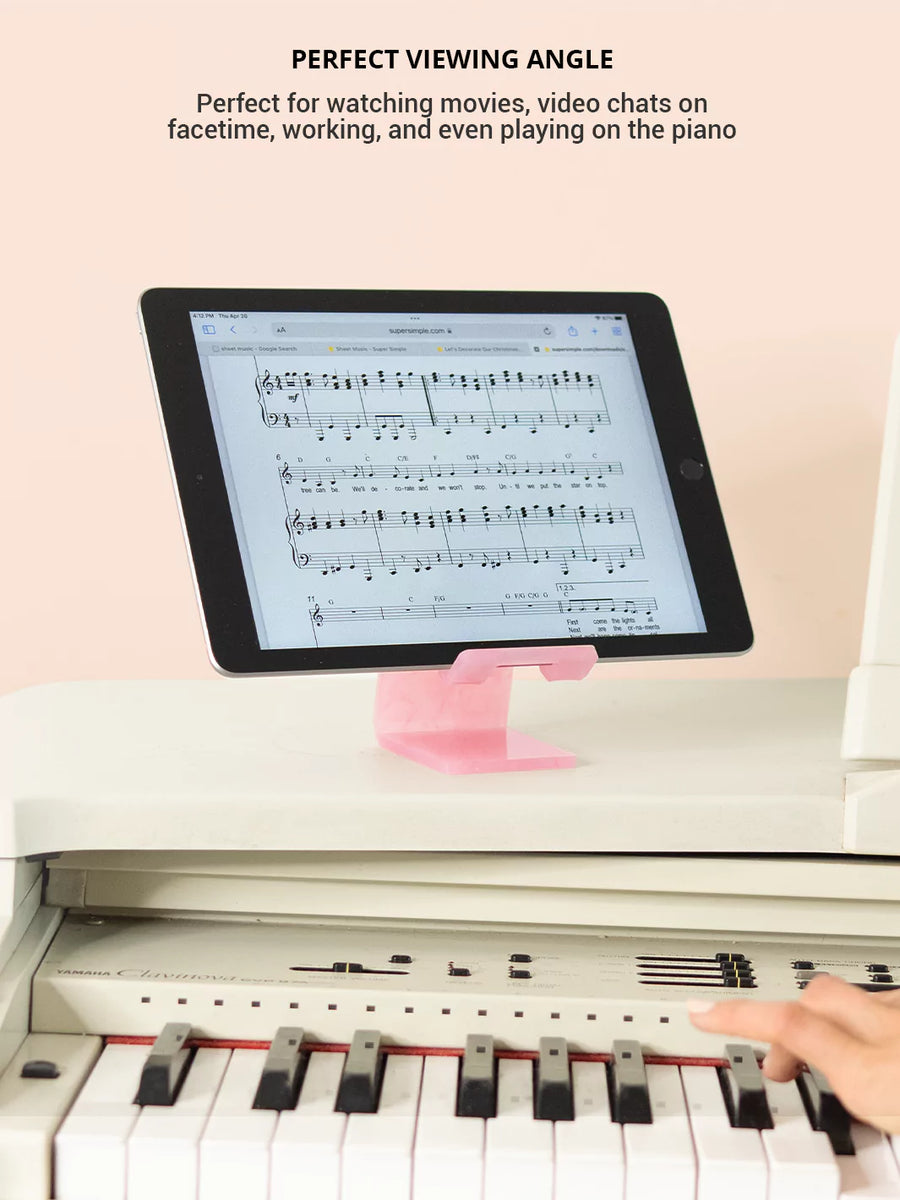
163,1072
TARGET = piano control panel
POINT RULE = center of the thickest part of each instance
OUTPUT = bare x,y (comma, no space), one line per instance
432,987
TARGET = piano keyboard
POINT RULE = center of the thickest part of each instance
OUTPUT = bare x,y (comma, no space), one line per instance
81,1119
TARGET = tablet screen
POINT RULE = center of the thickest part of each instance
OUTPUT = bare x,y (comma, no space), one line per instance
404,479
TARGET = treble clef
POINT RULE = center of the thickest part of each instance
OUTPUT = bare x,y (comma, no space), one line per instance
297,522
317,616
286,474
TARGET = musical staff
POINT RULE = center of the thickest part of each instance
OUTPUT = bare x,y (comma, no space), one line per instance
326,474
513,608
402,403
612,558
460,518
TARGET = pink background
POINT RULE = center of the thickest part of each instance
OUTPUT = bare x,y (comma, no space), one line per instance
776,252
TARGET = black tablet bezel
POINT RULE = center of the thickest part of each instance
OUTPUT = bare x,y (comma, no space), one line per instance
206,513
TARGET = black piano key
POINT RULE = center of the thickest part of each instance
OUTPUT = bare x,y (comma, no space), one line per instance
477,1095
629,1094
553,1098
282,1073
744,1090
825,1111
360,1084
166,1066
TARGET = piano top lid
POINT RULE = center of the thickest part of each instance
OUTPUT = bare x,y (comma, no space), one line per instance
744,766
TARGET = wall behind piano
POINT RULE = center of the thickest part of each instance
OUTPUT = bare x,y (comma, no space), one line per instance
777,253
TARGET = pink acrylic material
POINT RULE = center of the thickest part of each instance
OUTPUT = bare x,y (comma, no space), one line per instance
456,720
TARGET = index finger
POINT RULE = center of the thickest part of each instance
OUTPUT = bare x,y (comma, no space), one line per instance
806,1034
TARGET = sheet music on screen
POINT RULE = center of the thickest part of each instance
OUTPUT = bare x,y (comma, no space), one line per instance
443,477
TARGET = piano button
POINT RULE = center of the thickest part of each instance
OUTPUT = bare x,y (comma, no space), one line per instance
880,977
401,958
825,1111
743,1089
165,1067
39,1068
31,1109
802,1165
90,1147
659,1158
877,967
589,1154
803,964
520,958
730,1161
461,971
518,1150
553,1081
378,1147
448,1157
347,968
519,974
628,1079
234,1148
361,1080
163,1146
308,1139
478,1078
282,1071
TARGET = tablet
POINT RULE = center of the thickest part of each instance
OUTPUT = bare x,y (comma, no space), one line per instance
374,480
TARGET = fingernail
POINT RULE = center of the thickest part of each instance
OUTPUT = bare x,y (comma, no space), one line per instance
697,1007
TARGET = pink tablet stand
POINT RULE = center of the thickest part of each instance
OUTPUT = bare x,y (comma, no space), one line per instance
455,720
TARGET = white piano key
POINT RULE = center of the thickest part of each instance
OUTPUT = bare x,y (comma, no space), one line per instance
590,1157
163,1158
31,1109
378,1147
659,1158
234,1148
448,1157
730,1162
802,1164
306,1148
89,1160
872,1172
518,1150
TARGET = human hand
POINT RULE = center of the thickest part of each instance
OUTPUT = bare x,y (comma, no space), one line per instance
851,1036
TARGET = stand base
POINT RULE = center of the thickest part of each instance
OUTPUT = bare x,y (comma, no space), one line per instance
455,721
477,751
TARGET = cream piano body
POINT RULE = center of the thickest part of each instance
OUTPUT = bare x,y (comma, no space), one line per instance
225,860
